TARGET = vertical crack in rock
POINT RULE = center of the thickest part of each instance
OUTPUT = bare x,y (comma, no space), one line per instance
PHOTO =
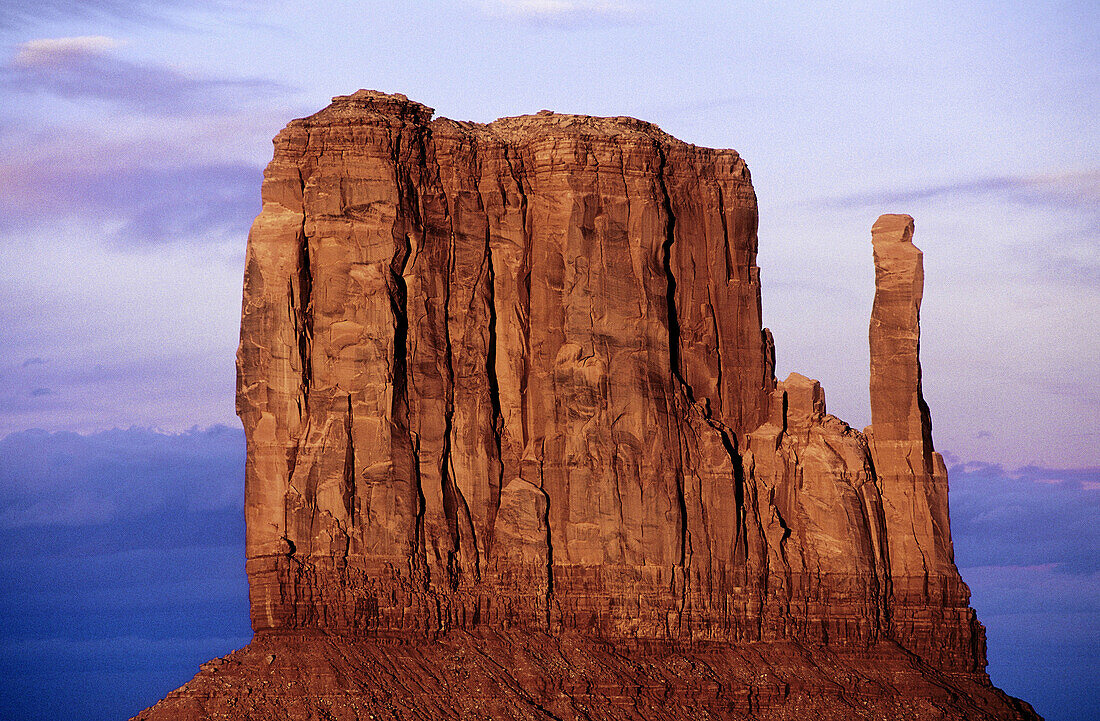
883,561
400,410
672,317
725,243
496,483
304,317
925,416
451,495
349,470
913,473
878,566
728,441
767,342
301,310
549,597
717,341
673,322
517,170
524,292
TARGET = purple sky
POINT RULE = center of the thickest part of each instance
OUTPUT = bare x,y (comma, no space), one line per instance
133,135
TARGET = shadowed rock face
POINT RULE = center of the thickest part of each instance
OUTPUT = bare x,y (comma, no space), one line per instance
507,397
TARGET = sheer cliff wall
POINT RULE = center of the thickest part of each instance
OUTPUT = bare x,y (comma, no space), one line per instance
514,375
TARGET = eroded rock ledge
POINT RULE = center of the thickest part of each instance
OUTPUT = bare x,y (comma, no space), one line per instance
508,398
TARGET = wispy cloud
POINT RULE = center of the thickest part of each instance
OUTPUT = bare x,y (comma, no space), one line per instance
72,479
132,334
553,7
1069,189
144,182
562,11
88,68
221,201
141,205
1055,509
1027,544
1055,218
19,13
47,51
121,566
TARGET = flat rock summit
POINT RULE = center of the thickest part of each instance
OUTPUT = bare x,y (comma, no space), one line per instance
516,449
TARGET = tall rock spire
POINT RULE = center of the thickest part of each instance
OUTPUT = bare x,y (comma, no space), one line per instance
912,477
898,410
911,473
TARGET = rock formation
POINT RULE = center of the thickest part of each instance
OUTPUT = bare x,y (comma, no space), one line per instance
516,448
927,598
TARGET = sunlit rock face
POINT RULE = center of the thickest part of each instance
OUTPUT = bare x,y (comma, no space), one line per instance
927,600
508,400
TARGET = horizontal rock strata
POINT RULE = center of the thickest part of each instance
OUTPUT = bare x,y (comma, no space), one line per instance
506,385
506,676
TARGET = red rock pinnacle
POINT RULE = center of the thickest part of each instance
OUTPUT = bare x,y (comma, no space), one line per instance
928,598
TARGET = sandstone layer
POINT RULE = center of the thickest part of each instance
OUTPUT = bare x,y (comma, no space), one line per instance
516,448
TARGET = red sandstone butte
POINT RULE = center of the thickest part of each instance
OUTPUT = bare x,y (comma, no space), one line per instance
516,449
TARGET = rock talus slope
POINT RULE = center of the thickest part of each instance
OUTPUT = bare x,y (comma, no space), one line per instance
516,448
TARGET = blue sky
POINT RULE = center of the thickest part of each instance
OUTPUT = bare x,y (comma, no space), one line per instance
133,135
121,570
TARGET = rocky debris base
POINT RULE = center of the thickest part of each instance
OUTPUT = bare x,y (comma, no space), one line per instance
503,676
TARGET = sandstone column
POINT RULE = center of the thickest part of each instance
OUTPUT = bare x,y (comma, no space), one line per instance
927,598
901,428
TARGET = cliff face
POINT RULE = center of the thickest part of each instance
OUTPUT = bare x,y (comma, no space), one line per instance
509,382
500,374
